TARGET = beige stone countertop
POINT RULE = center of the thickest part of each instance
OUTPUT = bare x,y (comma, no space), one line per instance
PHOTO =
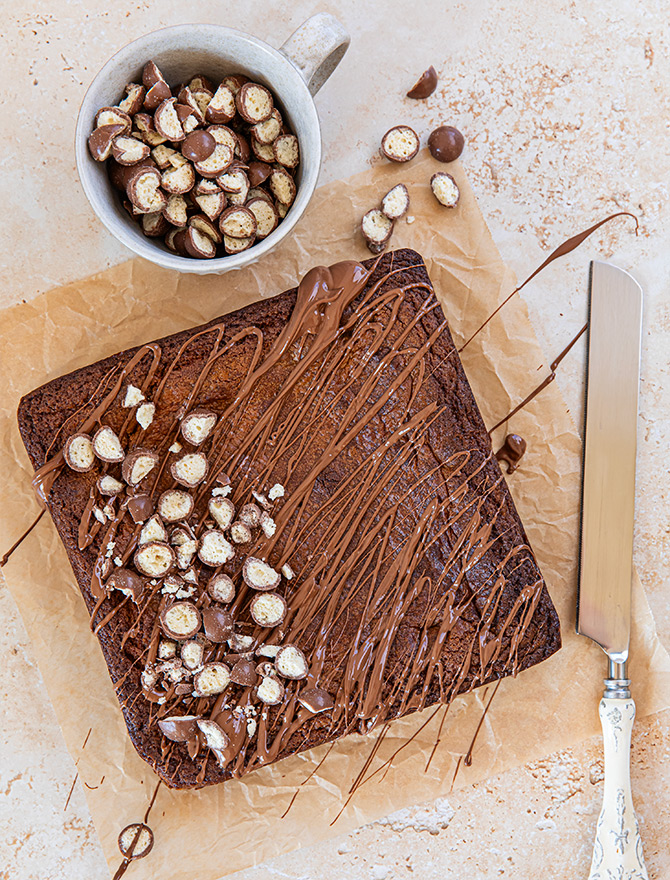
564,106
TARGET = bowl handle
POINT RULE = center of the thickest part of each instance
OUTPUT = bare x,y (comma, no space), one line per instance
316,48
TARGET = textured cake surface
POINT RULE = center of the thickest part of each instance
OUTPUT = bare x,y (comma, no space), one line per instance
410,578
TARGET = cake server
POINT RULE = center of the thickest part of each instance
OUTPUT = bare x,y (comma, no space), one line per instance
606,557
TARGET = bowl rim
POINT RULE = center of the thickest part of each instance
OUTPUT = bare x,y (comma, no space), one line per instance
120,229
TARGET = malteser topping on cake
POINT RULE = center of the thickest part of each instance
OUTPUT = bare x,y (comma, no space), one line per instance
181,620
79,454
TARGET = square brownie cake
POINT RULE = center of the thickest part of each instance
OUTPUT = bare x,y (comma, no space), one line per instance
288,524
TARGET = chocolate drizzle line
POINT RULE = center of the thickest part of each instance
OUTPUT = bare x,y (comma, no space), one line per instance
19,541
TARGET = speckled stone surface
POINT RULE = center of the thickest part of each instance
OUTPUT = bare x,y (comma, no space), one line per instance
563,105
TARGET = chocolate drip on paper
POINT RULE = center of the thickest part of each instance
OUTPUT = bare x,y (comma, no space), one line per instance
21,539
512,451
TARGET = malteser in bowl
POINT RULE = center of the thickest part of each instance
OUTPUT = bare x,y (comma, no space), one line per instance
199,146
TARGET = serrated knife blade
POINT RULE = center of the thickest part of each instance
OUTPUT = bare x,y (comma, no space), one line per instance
606,547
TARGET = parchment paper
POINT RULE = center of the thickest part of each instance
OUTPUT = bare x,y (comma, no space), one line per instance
228,827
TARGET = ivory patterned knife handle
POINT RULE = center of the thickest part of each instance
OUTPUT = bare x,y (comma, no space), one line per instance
617,851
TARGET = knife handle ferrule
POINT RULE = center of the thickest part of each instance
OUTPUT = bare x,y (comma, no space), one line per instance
617,689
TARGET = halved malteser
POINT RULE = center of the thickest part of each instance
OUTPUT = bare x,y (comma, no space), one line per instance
395,203
270,691
176,211
191,469
78,453
316,700
211,204
400,143
242,150
197,426
162,156
113,116
233,181
217,623
174,241
282,186
263,152
287,151
214,549
180,621
221,588
101,141
144,190
216,163
153,530
376,228
155,224
235,81
154,559
178,180
155,96
216,739
257,192
200,81
222,510
291,663
192,653
167,122
237,222
137,465
240,533
259,575
202,98
221,107
179,728
268,609
244,673
107,445
204,225
151,74
445,189
254,102
175,505
128,150
224,135
266,216
212,679
198,146
237,245
107,484
199,245
187,98
266,132
134,99
258,173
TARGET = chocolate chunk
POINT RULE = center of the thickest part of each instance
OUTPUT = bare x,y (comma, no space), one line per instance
140,507
512,451
446,143
218,623
179,728
425,85
198,146
316,700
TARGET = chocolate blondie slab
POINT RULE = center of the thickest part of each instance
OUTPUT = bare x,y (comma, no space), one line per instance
288,524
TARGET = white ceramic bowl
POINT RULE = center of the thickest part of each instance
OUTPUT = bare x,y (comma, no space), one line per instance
293,73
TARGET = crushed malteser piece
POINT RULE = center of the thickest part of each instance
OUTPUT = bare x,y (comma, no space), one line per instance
400,143
190,470
180,621
240,533
259,575
282,186
270,691
287,571
221,106
266,670
267,650
175,505
118,561
276,491
167,121
175,448
221,491
395,203
145,414
250,514
107,445
78,453
268,609
221,588
377,229
186,592
134,99
137,465
108,510
99,515
316,700
167,649
217,623
179,728
214,549
172,584
101,140
149,677
216,739
155,559
243,673
107,484
127,582
251,727
192,653
445,189
186,553
133,396
291,663
222,509
177,181
128,150
410,219
268,525
286,150
190,576
153,530
240,643
173,670
212,679
136,841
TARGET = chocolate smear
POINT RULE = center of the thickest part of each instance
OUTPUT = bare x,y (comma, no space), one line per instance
512,451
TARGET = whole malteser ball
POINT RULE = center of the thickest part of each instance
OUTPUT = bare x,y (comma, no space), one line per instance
446,143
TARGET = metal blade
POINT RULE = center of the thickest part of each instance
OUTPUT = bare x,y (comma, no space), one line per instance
608,486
